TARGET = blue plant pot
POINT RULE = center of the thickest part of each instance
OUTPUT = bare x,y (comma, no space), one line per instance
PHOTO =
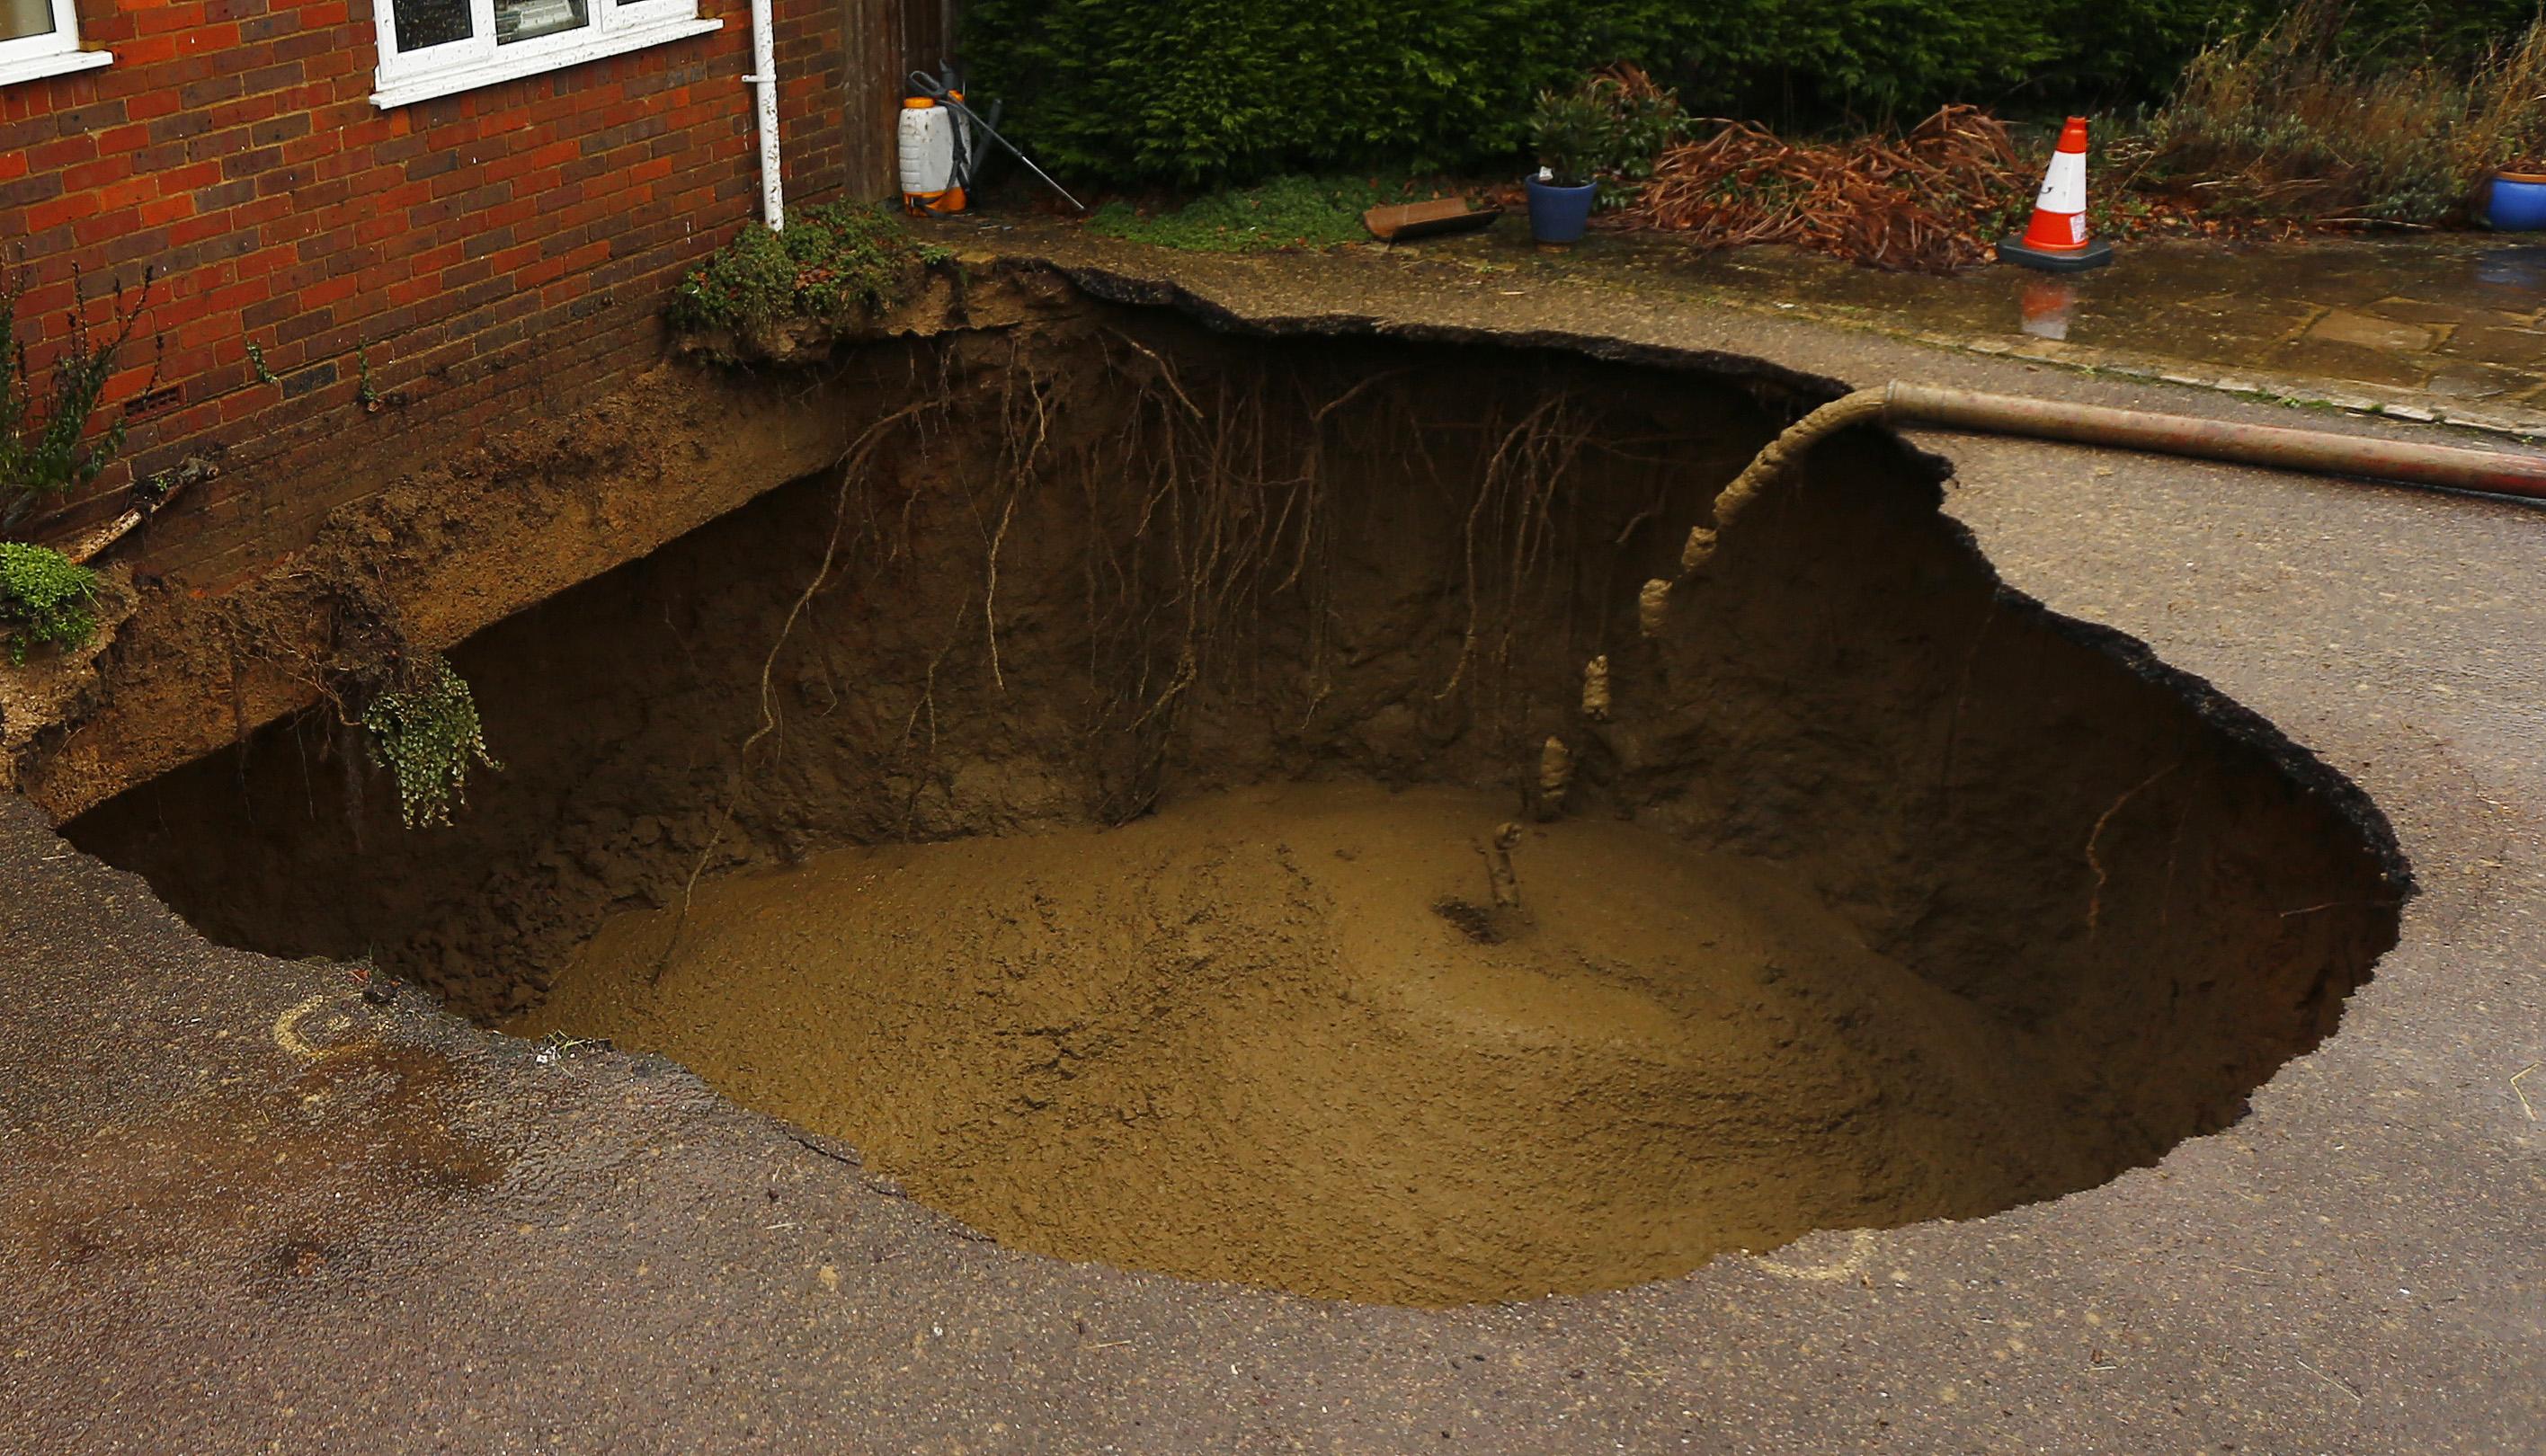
2517,203
1559,215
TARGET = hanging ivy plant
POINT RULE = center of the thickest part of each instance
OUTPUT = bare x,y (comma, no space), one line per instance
428,736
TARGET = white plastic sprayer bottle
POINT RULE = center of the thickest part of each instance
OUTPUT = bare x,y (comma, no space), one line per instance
928,157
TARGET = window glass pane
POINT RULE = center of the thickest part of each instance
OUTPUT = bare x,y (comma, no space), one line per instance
523,19
19,18
423,22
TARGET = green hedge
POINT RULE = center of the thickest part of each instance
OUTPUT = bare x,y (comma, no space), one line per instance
1229,90
2438,30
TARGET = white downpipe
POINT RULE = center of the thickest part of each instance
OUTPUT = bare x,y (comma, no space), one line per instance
764,78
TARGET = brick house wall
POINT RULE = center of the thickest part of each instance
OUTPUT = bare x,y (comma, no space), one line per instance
496,256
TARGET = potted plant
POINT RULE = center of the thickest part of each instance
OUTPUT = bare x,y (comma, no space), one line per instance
1567,131
2516,196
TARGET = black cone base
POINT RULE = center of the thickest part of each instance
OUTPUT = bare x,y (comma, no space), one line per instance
2066,260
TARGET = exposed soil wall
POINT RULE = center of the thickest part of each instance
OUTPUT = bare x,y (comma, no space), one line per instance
1102,561
455,544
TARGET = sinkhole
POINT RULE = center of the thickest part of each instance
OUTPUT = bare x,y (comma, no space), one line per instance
1226,806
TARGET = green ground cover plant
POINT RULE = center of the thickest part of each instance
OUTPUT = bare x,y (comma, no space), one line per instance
47,451
1285,213
831,262
44,601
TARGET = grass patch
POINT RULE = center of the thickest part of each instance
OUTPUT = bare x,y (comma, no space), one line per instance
1286,212
833,263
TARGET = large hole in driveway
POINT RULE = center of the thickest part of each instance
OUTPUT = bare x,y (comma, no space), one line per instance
1148,844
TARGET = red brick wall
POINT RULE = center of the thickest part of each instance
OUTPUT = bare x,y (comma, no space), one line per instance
497,255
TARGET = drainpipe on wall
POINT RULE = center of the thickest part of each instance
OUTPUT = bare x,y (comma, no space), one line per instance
764,78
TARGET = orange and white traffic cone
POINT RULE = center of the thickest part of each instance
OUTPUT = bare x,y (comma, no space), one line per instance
2057,240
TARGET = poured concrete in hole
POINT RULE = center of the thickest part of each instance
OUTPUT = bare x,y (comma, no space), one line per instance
2094,871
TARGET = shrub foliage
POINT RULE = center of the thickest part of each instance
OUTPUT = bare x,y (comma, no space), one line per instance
45,600
832,262
1232,90
47,447
2285,122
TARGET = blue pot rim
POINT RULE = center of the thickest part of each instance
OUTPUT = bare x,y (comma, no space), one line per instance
1562,186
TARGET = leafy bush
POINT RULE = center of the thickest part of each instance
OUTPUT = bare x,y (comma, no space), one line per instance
1609,129
831,262
2285,122
1236,90
1567,130
1196,90
45,600
2450,33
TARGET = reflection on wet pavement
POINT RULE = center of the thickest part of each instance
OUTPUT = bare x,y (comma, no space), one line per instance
2456,318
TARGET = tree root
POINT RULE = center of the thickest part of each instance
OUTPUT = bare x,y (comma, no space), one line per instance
853,469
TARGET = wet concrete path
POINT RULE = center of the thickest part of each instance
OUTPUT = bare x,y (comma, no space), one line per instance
215,1233
2457,319
2448,327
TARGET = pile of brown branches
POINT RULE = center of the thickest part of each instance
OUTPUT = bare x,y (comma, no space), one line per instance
1925,202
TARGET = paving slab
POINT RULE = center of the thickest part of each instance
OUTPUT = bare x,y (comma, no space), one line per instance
246,1209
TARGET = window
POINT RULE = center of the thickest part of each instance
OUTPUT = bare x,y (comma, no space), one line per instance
434,48
41,38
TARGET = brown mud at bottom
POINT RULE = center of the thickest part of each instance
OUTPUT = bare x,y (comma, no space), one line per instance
1276,1036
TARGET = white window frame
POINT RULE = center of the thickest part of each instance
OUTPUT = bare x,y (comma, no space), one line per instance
616,26
52,53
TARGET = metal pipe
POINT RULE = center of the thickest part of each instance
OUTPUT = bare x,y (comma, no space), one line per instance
2414,462
149,497
764,80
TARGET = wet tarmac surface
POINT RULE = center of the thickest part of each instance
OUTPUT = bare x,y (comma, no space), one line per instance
246,1209
2451,325
2458,318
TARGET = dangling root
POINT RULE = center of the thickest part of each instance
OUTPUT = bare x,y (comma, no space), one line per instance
853,470
1517,499
1022,457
